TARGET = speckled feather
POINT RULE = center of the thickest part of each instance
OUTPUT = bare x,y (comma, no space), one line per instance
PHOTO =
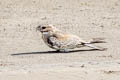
58,40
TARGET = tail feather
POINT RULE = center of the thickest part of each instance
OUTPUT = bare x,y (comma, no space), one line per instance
95,47
97,40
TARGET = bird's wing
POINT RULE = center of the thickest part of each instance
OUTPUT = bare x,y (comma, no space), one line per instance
62,44
71,42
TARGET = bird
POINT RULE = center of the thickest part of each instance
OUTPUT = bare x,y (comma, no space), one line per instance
64,42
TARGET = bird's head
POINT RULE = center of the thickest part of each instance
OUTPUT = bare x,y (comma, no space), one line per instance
46,28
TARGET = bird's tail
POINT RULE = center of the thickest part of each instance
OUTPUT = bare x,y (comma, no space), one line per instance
97,40
95,47
91,42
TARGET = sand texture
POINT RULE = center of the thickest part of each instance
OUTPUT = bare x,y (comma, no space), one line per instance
24,56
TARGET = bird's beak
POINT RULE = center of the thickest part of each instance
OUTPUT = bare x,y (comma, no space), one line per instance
38,28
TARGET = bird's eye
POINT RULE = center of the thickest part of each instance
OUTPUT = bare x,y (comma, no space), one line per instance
43,27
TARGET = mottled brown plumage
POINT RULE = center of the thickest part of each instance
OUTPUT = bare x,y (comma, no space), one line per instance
60,41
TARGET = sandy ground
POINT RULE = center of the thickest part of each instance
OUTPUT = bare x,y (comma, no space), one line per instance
24,56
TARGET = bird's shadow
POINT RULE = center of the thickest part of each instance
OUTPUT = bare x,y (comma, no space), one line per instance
52,52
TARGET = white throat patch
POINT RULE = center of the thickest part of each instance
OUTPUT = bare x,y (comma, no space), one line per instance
45,33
